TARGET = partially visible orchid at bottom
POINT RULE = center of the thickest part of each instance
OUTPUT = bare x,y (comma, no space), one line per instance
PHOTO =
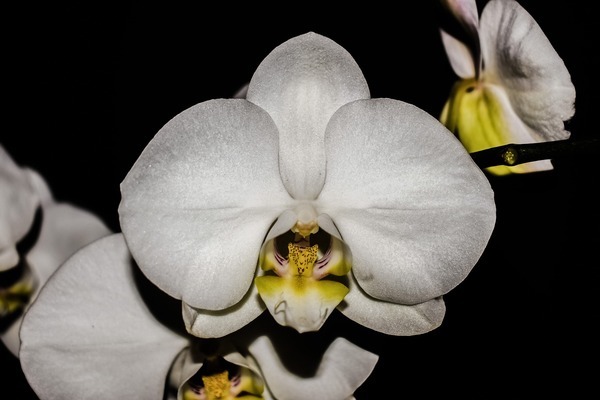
37,234
303,197
514,87
93,333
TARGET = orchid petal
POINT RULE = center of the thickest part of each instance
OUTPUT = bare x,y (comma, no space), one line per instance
200,199
91,331
18,201
519,57
300,84
214,324
465,11
343,368
390,318
459,55
411,204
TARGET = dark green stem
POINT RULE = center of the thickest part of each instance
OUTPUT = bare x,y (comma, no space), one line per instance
513,154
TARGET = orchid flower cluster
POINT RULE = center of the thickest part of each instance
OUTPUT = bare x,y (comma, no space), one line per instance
300,197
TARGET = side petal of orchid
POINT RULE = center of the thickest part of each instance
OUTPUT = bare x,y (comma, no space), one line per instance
519,57
390,318
18,201
459,55
300,84
90,322
343,368
411,204
200,199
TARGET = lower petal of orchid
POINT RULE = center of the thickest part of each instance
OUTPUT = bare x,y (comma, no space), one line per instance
342,369
484,118
390,318
91,322
215,324
300,302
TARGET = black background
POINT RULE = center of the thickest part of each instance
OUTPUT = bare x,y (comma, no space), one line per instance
86,88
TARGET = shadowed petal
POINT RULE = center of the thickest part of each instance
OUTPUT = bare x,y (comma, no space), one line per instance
343,368
89,334
214,324
407,199
18,201
519,57
200,199
300,84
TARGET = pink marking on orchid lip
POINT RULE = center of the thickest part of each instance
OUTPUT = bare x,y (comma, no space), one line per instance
280,259
323,261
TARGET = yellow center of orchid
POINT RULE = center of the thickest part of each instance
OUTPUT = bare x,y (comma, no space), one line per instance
302,259
245,384
217,385
294,291
16,288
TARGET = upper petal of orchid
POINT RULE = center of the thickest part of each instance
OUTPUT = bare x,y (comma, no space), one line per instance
200,199
300,84
459,55
18,201
90,322
519,57
343,368
390,318
407,198
465,11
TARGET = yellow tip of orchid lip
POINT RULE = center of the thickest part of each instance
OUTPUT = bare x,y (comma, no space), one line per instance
300,302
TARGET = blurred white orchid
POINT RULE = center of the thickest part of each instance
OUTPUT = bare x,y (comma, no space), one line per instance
37,234
309,178
92,331
514,87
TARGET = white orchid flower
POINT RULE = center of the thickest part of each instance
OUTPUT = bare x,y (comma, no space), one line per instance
37,234
514,87
322,196
91,334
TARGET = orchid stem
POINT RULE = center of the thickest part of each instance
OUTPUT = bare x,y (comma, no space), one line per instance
514,154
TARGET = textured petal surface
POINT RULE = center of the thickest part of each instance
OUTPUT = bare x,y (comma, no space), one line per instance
89,334
301,83
519,57
18,201
65,229
390,318
198,202
459,56
343,368
408,200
